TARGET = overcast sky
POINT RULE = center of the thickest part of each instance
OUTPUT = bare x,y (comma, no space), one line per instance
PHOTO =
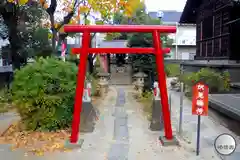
155,5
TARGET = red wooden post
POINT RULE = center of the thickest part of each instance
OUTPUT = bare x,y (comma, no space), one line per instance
80,86
162,85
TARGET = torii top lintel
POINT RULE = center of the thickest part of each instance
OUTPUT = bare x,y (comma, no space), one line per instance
119,28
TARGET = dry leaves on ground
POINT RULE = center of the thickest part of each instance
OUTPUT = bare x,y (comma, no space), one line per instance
35,142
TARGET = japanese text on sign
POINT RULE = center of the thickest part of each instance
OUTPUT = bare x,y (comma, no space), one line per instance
200,99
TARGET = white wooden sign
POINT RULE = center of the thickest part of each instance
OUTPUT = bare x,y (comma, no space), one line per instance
86,97
89,87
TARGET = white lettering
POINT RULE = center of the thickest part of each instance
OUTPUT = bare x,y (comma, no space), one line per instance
200,95
199,111
200,103
200,87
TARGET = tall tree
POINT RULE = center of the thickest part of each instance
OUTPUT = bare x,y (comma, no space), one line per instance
18,17
83,10
73,10
145,62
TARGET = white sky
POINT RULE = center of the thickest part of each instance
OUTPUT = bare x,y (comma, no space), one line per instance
155,5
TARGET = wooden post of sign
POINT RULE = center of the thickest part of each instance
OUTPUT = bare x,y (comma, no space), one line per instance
199,107
198,135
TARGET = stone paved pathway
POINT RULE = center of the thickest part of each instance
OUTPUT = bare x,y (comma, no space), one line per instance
122,134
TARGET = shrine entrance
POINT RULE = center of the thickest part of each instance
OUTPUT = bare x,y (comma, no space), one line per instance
85,50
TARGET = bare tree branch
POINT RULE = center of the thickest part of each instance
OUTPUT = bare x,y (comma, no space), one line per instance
69,16
66,20
52,8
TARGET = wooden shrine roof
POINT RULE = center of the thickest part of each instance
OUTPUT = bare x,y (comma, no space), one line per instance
190,11
189,14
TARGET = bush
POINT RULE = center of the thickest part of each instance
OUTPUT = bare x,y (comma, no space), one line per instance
73,58
146,100
217,82
172,70
43,93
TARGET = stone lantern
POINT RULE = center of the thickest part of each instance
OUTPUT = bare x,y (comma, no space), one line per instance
139,81
103,82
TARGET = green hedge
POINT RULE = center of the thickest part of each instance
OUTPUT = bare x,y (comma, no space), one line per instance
43,93
216,81
172,70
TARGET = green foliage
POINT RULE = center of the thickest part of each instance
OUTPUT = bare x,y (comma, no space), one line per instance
226,80
172,70
97,63
5,99
40,43
145,62
43,93
146,100
73,58
34,38
216,81
94,83
112,36
147,95
5,95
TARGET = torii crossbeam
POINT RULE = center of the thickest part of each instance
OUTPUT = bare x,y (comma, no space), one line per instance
85,50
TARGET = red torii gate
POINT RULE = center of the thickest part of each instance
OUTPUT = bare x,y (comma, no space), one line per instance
157,50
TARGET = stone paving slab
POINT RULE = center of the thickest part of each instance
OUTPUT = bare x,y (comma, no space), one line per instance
119,150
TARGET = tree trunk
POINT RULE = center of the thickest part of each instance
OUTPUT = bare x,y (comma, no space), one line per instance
11,20
54,33
14,41
90,57
90,64
109,63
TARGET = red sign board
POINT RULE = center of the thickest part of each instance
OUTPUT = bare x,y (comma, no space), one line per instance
200,99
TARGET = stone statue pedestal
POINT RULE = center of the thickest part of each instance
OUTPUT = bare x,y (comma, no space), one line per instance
88,117
156,119
103,88
103,82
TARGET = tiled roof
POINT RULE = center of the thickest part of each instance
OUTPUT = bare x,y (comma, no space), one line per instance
168,16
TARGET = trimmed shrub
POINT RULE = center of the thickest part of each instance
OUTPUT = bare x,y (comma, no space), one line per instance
43,93
73,58
216,81
146,100
172,70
